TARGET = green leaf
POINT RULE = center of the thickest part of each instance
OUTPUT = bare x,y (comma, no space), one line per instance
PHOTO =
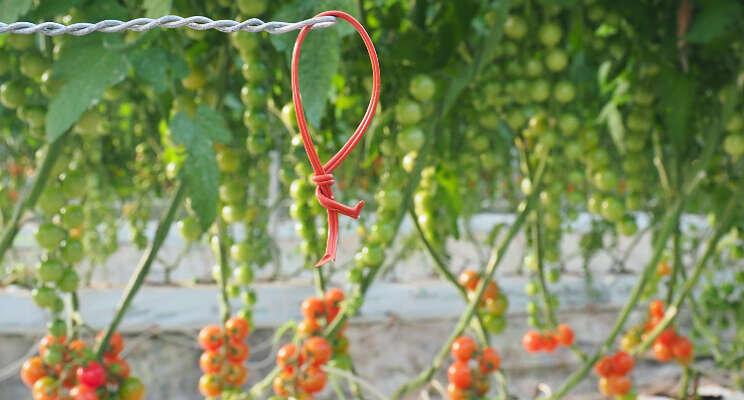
157,8
11,10
85,82
611,115
677,94
714,20
200,172
158,66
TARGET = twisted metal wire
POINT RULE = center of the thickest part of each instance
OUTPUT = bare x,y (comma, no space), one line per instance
169,21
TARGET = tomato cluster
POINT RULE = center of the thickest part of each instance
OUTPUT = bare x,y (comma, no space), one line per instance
67,369
469,374
547,341
613,375
494,302
301,362
225,352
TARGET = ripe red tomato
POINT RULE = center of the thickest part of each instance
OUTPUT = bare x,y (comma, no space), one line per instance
82,392
604,367
489,361
619,385
77,348
237,328
460,375
463,348
656,308
287,355
313,380
92,374
237,351
682,348
532,341
211,362
282,384
333,298
235,374
308,327
491,292
455,393
668,336
45,389
469,279
209,385
313,308
115,345
32,370
316,350
662,352
118,367
210,337
622,363
549,342
565,335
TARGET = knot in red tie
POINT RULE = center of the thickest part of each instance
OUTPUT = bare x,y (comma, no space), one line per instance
323,177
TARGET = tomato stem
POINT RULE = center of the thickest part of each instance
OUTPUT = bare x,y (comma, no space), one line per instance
224,264
138,278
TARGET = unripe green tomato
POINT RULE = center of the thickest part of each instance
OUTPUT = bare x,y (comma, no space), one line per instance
540,90
530,261
411,139
72,251
196,79
372,255
252,8
50,270
628,226
254,72
550,34
408,112
532,308
381,232
556,60
499,305
171,170
354,275
243,274
44,297
606,180
189,228
288,114
589,138
227,160
409,161
735,123
531,288
594,203
301,189
638,121
515,119
253,96
240,252
569,124
494,324
233,213
72,216
256,121
12,93
248,297
69,282
73,184
564,92
597,159
49,236
633,203
733,145
552,220
549,139
53,355
57,328
390,199
515,27
20,42
256,144
231,192
51,201
299,211
489,120
533,68
422,87
554,275
33,65
132,389
613,209
233,291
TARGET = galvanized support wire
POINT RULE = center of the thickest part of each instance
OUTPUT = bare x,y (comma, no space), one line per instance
169,21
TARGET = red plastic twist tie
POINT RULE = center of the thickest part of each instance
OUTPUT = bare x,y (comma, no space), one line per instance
323,177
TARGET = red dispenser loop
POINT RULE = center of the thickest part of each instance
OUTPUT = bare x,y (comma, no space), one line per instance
323,177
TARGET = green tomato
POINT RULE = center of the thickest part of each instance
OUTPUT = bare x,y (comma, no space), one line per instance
550,34
494,324
12,93
51,200
569,123
248,297
390,199
253,96
499,305
53,355
232,192
50,270
49,236
256,144
628,226
91,123
44,297
72,251
355,275
409,161
606,180
57,328
573,150
227,160
72,216
255,121
69,282
73,184
196,79
733,145
554,274
254,72
540,90
411,139
531,288
532,308
233,213
240,252
556,60
594,203
533,68
190,228
21,42
132,388
372,255
33,65
515,27
408,112
564,92
381,232
530,261
252,8
243,274
613,209
422,87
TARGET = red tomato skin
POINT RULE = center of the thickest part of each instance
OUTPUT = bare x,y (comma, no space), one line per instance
463,348
210,337
92,375
460,375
